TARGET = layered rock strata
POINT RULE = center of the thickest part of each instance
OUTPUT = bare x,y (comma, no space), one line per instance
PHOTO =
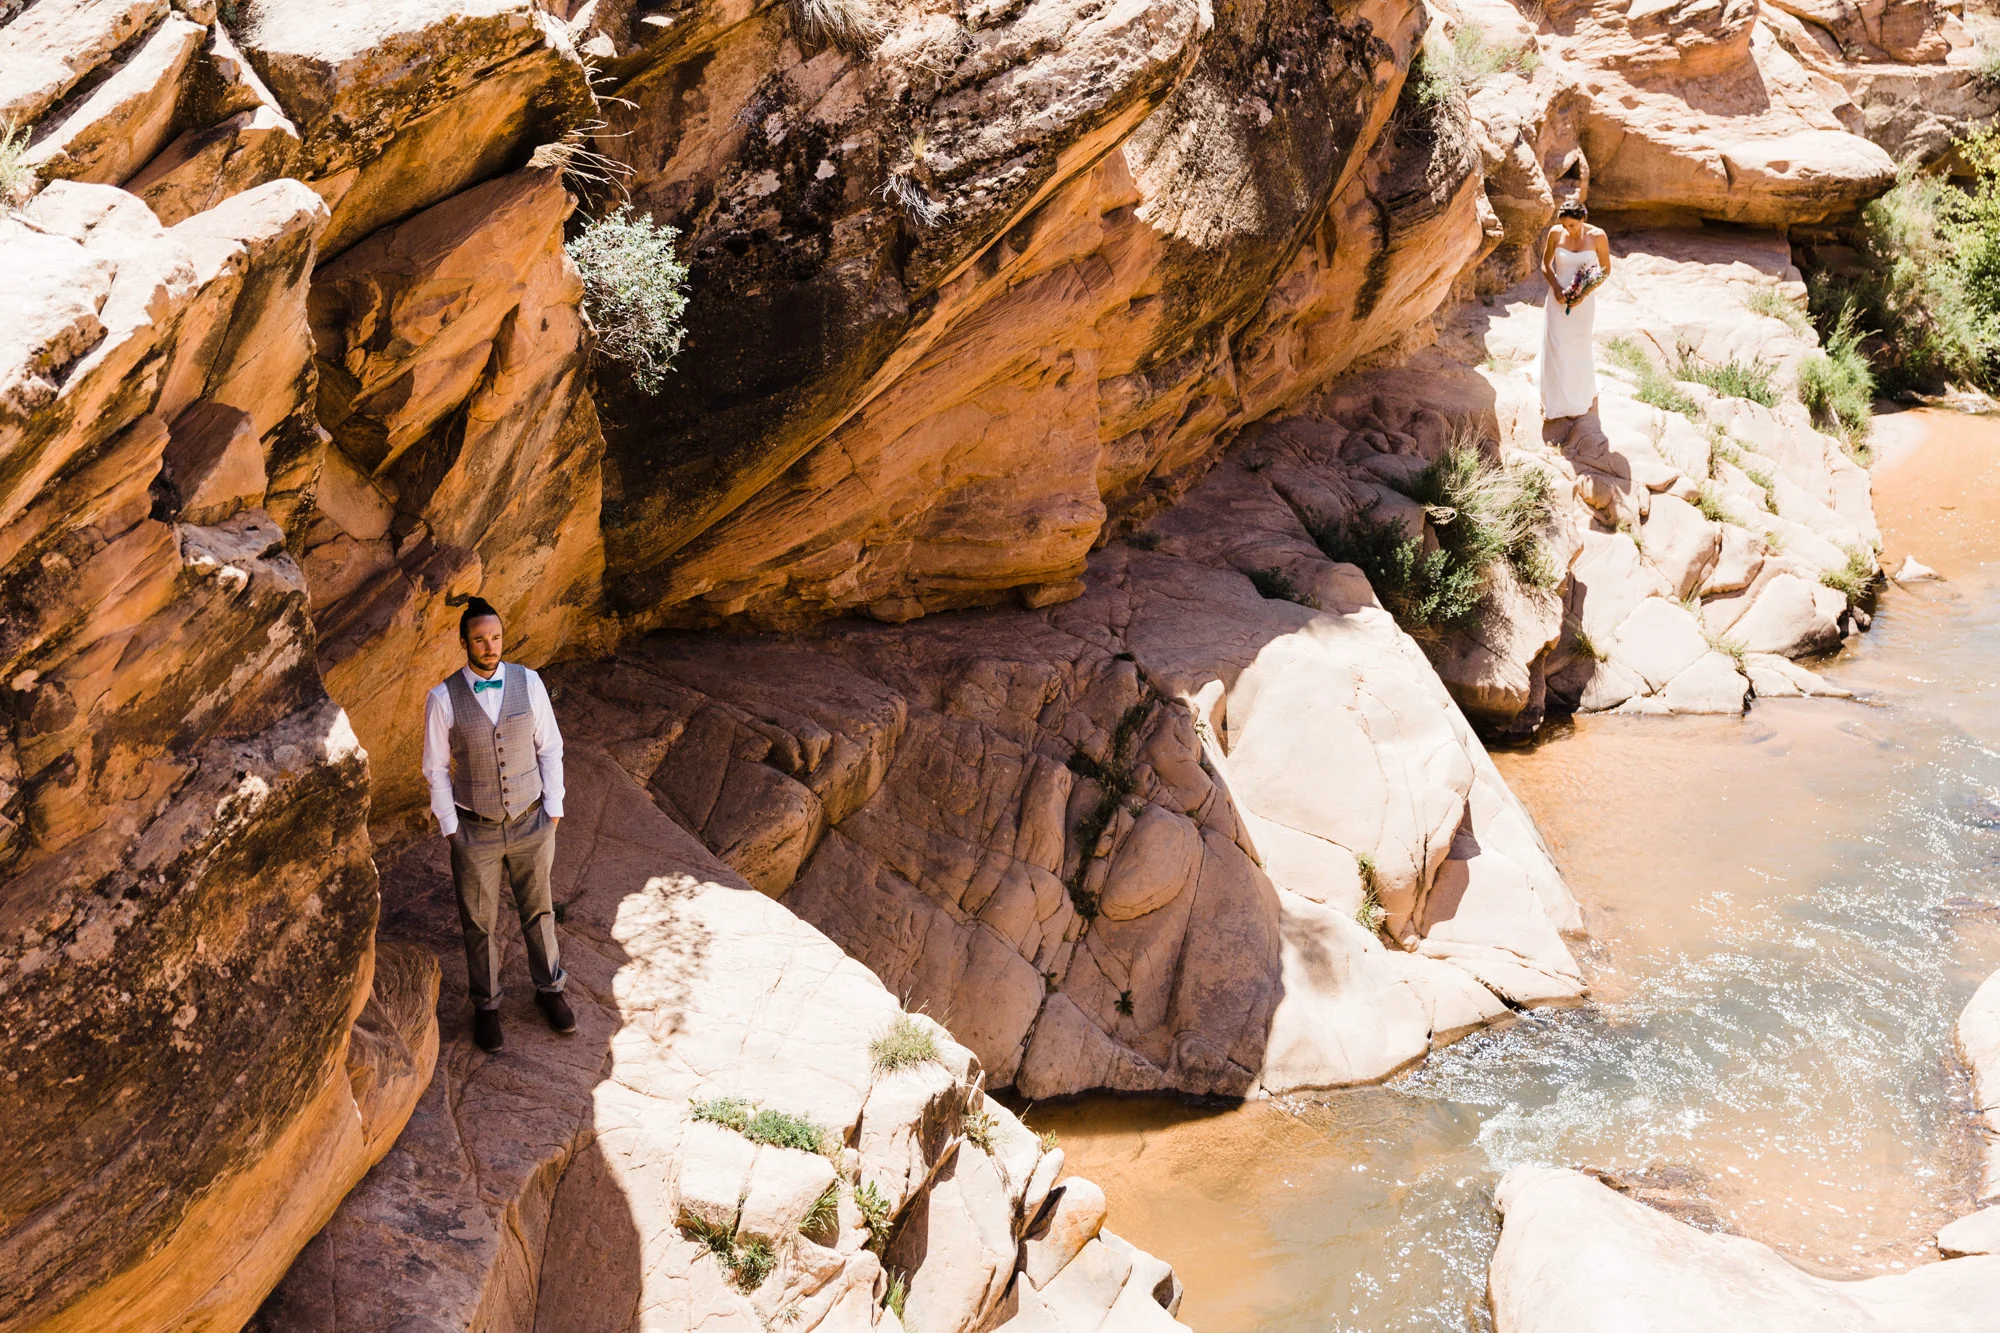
190,903
294,361
573,1183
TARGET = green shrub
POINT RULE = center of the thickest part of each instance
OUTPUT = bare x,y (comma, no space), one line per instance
1924,291
1837,386
978,1125
1454,70
1484,514
1731,378
1709,501
635,291
907,1043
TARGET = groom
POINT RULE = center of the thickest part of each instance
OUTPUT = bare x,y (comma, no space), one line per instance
493,757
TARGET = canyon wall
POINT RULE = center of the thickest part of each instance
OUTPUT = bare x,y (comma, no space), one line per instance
293,361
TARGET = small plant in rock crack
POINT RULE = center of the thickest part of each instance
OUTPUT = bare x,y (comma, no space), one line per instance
1585,644
17,178
1047,1139
747,1264
1124,1004
821,1222
874,1208
905,1044
1708,499
1115,782
1371,914
635,292
1272,584
1734,649
979,1126
899,1290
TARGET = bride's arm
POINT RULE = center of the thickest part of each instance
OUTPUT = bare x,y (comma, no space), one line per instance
1603,243
1548,263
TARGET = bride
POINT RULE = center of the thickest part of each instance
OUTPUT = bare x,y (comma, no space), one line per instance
1576,259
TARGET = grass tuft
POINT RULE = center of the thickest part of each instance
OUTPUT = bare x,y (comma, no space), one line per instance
822,1220
1585,644
907,1043
1731,378
852,24
1709,501
635,292
1774,304
899,1290
1854,580
1656,388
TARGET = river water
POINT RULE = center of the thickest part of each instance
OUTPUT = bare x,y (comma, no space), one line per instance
1786,912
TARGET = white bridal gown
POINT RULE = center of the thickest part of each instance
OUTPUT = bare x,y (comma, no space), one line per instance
1568,374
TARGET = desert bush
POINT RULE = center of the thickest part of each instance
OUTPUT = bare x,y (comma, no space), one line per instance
1484,515
1924,293
635,292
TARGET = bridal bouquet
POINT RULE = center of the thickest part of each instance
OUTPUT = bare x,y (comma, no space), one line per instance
1586,280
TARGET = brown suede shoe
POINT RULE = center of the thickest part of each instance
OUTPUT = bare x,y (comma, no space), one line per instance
556,1009
486,1030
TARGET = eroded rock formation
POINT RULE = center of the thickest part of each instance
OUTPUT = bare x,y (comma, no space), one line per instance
291,360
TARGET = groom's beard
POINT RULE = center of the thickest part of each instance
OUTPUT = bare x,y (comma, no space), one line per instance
483,665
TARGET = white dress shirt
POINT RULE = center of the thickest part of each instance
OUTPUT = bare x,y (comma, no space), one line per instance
437,741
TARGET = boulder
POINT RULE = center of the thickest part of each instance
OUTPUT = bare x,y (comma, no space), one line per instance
1575,1254
567,1183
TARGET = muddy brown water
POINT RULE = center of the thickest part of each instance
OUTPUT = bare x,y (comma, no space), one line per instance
1787,912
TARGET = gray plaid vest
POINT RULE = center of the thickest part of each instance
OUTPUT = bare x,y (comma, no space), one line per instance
493,768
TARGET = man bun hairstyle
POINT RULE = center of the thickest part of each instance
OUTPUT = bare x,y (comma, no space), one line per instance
476,608
1573,209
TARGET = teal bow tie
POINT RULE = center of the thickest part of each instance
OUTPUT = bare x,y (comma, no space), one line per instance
493,684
